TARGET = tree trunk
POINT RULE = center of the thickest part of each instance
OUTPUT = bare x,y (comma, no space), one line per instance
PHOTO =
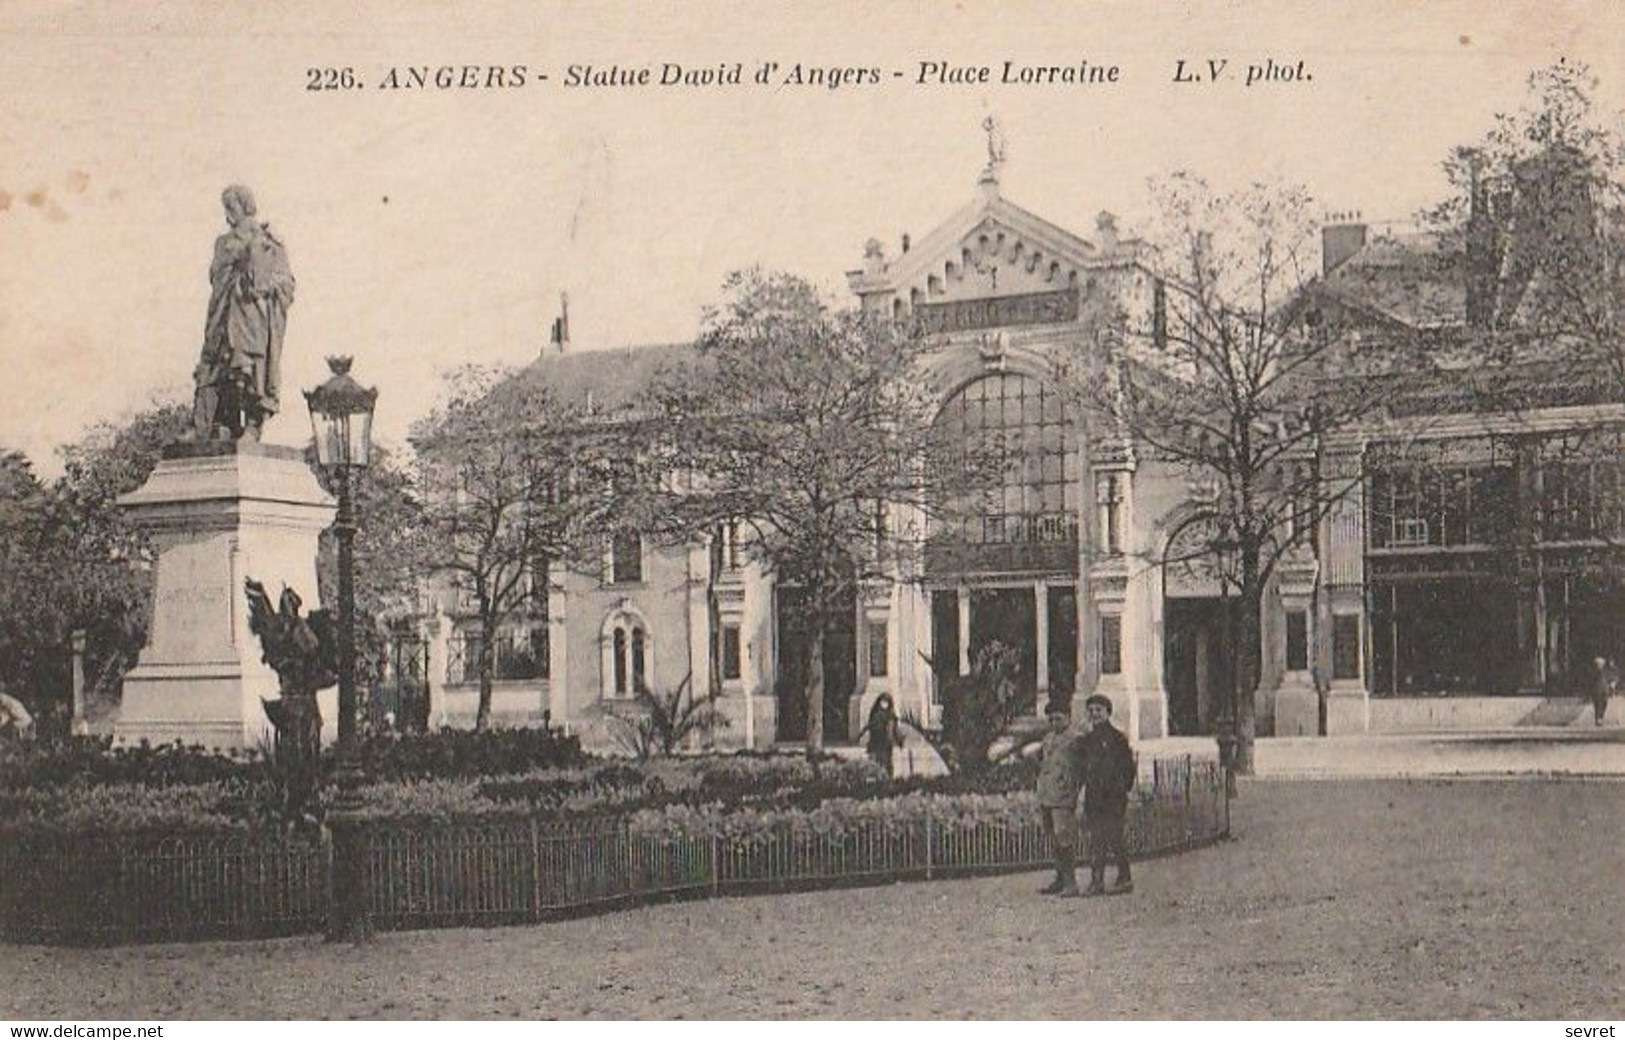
488,654
1248,656
815,685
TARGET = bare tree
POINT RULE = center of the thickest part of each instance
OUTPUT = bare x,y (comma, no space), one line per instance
511,481
1240,383
809,428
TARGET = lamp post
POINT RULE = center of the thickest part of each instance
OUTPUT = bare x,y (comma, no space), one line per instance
341,419
1229,735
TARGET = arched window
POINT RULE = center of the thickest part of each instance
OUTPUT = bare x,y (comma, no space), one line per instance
1022,511
626,652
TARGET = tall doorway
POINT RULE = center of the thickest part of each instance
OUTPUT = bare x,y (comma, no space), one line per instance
1009,617
1196,663
794,629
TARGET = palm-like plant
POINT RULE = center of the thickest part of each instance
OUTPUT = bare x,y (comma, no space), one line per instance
977,710
660,723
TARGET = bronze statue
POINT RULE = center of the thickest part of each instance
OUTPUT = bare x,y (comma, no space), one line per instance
239,375
303,653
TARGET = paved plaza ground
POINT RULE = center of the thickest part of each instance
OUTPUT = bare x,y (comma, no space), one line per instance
1346,899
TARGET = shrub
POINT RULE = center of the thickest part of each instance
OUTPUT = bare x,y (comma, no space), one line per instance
109,808
93,760
467,753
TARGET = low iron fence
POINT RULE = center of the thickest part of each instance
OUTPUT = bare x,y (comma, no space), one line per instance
136,888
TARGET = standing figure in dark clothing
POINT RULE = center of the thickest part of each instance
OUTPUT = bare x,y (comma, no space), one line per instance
881,733
1603,680
1060,775
1108,776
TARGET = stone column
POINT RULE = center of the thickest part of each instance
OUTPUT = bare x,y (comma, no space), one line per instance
875,611
1041,633
962,600
1348,705
558,646
914,647
437,636
698,609
80,725
732,593
219,513
1128,585
1296,708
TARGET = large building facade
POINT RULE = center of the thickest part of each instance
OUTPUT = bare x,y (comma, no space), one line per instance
1458,585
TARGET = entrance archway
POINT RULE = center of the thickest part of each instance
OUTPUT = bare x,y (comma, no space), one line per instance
1002,560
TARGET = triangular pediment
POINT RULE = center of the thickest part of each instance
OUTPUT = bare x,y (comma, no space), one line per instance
990,248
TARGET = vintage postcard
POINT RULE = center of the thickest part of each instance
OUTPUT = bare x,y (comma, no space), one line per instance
737,510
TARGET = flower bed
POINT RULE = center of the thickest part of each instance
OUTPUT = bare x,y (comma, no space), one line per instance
91,761
503,862
243,794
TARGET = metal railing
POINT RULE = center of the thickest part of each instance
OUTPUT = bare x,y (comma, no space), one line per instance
136,888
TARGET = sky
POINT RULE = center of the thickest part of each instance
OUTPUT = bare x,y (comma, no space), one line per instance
433,228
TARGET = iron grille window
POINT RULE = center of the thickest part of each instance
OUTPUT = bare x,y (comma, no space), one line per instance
877,649
626,558
730,652
1111,644
1346,646
520,655
1297,641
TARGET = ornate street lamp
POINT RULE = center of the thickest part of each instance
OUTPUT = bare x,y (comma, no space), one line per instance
1223,547
341,418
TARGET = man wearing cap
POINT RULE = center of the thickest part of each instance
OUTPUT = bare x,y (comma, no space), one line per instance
1108,776
1060,775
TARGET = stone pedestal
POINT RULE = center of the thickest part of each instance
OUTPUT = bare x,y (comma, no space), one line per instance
1297,708
219,513
1348,709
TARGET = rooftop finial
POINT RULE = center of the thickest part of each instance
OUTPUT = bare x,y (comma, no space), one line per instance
559,336
995,156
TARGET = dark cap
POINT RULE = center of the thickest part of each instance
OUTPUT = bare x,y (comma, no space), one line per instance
1100,699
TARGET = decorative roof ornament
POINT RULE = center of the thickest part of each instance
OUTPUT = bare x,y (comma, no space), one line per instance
994,349
989,181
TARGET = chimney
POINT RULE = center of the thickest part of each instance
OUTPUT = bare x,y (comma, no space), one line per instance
906,242
1106,231
1554,224
559,339
874,258
1342,237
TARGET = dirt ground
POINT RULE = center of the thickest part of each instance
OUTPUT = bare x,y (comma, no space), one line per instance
1371,899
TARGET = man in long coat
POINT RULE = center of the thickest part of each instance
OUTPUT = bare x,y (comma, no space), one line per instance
251,288
1060,774
1108,776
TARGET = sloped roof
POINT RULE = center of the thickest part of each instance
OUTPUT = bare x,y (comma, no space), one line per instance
1418,279
609,380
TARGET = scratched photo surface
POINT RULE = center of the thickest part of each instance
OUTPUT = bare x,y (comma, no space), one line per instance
508,186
